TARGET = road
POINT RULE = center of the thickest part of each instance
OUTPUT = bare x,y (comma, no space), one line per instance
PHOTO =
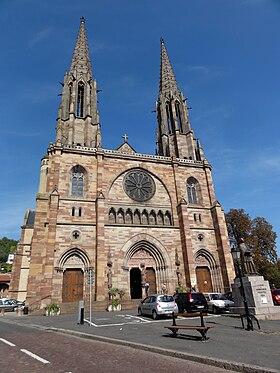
33,351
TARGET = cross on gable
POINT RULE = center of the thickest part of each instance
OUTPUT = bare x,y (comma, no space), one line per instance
125,137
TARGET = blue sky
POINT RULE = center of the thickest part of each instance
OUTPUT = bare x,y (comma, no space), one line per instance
226,58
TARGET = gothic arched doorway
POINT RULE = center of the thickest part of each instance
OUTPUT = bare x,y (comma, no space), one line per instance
73,264
146,263
135,283
204,282
73,284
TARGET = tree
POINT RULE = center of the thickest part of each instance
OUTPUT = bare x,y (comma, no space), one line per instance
259,235
263,239
238,225
7,246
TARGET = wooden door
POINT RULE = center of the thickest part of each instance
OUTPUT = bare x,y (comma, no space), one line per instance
73,285
151,279
203,278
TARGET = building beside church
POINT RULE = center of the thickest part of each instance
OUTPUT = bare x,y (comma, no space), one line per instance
129,218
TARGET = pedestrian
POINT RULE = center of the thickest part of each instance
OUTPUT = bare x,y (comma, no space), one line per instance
163,289
147,285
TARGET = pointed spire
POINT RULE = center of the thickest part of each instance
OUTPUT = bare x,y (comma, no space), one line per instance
81,61
167,81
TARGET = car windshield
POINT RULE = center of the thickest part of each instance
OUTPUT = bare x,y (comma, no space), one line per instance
199,297
165,298
276,292
218,297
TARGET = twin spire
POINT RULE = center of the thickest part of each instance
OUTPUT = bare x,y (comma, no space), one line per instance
167,81
81,61
78,118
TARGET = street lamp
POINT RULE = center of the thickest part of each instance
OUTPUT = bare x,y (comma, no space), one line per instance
236,256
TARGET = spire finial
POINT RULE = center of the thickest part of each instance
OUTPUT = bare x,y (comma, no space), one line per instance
82,19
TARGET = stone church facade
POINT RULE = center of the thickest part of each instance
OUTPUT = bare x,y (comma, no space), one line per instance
130,218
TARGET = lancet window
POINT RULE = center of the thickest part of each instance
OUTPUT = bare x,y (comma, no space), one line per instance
80,100
178,116
193,190
78,175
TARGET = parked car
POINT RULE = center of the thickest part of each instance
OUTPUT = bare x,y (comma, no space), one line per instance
157,305
276,296
7,304
218,302
190,302
11,304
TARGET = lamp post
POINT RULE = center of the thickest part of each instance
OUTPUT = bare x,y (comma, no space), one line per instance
236,256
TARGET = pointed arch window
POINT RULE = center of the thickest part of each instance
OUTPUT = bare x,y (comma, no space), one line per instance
167,218
160,218
112,216
178,116
136,217
193,190
70,95
152,219
145,217
80,100
128,217
120,216
168,116
78,175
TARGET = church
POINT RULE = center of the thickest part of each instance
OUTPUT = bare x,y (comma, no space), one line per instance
121,217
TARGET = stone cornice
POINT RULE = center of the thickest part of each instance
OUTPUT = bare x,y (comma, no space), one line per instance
117,154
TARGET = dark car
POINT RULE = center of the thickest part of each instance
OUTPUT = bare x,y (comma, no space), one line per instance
276,296
190,302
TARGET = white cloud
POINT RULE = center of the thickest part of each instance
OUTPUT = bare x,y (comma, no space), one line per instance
40,36
205,70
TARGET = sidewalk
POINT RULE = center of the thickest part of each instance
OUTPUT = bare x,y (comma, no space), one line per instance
229,345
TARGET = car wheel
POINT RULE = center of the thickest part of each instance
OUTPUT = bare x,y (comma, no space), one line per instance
215,310
140,312
154,315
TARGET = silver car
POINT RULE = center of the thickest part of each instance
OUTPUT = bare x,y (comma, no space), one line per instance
7,305
157,305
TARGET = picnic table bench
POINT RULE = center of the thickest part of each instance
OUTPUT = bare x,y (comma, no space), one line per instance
202,329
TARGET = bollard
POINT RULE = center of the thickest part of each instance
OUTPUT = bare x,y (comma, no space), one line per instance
81,312
2,311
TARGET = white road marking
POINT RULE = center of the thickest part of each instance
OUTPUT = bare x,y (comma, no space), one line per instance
35,356
140,320
7,342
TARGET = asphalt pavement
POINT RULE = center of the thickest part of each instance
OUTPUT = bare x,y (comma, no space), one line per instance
229,346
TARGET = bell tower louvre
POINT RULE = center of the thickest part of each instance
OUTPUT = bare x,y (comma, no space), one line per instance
125,217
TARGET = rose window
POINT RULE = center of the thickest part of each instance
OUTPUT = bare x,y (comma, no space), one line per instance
139,185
